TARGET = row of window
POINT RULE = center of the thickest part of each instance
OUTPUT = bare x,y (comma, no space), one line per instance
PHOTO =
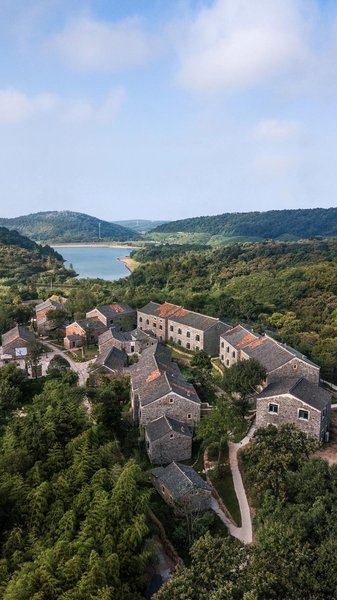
179,331
301,413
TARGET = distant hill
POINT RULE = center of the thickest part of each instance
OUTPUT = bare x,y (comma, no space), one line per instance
24,261
67,227
140,225
273,224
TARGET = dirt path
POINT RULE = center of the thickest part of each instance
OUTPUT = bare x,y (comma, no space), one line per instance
81,368
245,532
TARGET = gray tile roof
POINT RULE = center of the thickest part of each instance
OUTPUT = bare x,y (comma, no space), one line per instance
198,321
162,426
302,389
114,309
90,323
268,352
163,311
111,358
239,336
180,479
19,331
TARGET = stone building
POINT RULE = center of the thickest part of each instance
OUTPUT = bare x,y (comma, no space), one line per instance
158,389
16,341
180,486
167,440
297,401
117,313
191,330
44,324
83,332
110,361
278,359
128,341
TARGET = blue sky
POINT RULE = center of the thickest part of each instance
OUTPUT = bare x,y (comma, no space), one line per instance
167,109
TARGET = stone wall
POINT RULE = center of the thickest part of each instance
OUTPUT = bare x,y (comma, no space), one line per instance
172,447
173,406
187,337
11,347
295,368
198,499
229,356
157,325
288,413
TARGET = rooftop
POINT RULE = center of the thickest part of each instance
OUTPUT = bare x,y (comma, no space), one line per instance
111,358
302,389
162,426
114,309
18,332
180,479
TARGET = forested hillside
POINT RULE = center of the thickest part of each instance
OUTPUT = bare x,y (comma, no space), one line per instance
140,225
274,224
24,261
288,287
67,227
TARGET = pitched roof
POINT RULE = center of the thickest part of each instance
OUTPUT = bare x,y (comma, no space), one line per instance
239,336
124,336
49,303
18,332
157,429
199,321
302,389
90,323
162,311
114,309
268,352
111,358
155,375
180,479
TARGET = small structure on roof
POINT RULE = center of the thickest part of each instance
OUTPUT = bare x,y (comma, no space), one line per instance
181,486
168,440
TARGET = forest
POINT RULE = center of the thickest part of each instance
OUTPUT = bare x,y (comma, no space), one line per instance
273,224
67,227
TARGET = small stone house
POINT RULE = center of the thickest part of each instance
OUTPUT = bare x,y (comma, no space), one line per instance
110,361
128,341
297,401
117,313
158,388
180,486
168,440
83,332
15,343
172,323
43,324
278,359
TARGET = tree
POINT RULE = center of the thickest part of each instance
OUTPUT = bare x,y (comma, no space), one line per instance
242,380
220,424
35,351
201,360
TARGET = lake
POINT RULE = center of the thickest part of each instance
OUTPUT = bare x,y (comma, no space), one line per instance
96,261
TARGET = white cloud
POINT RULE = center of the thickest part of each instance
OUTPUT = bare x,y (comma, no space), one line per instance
92,45
276,130
238,43
17,106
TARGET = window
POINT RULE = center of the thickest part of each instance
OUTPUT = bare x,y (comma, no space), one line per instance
147,322
132,348
197,338
141,328
273,408
179,342
171,436
189,416
227,349
222,357
154,324
163,489
111,321
188,334
233,354
179,331
222,344
227,362
303,414
160,327
141,319
171,400
171,327
188,345
295,367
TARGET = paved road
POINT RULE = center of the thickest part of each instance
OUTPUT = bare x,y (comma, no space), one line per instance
81,368
245,532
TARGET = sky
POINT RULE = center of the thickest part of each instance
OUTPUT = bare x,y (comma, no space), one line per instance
167,109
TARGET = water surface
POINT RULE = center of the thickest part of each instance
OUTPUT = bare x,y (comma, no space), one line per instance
96,262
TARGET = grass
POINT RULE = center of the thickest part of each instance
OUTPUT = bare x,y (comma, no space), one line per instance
222,480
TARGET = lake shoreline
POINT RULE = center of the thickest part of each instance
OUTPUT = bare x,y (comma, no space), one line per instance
128,263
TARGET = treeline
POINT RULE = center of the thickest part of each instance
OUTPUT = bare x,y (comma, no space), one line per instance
273,224
67,227
73,512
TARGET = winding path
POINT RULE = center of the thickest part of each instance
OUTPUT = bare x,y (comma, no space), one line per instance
245,532
81,368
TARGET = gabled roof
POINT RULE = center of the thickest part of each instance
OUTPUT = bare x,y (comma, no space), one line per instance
302,389
18,332
124,336
163,311
239,336
159,428
155,376
49,303
268,352
198,321
90,323
113,310
180,479
111,358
